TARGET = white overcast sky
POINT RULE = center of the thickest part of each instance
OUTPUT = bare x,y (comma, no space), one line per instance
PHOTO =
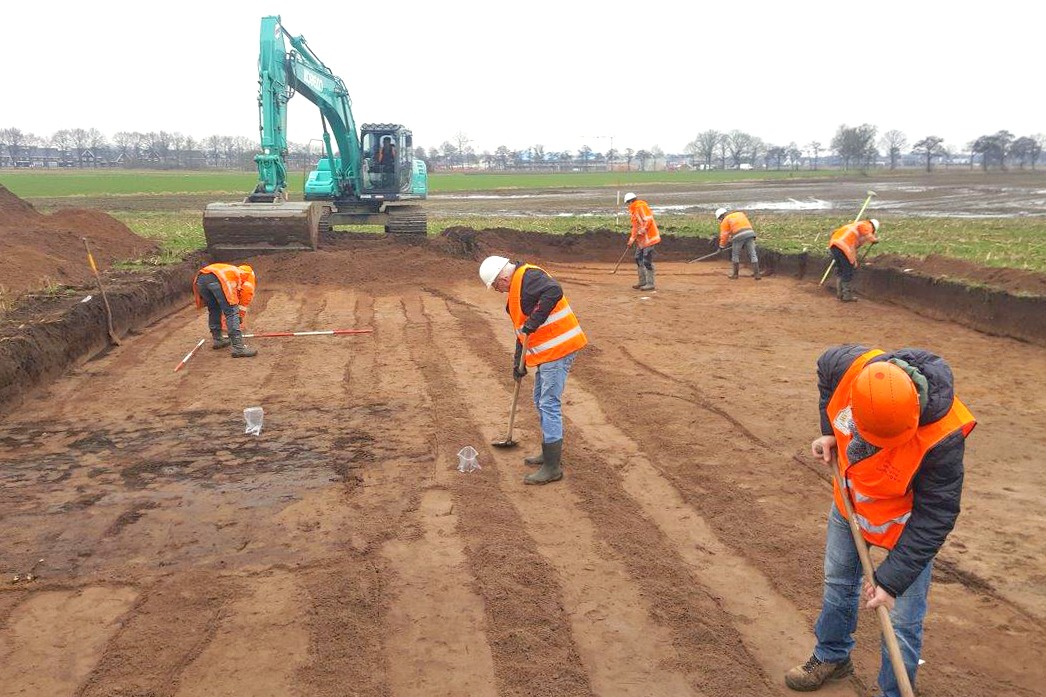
559,74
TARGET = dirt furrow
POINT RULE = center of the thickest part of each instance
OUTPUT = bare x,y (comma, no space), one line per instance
528,628
53,639
607,609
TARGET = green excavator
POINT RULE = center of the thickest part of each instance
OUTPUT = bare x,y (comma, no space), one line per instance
367,179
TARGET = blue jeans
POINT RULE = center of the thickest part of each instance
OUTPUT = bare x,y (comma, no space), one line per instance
838,620
549,381
217,305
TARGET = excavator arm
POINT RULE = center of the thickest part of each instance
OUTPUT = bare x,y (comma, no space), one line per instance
281,74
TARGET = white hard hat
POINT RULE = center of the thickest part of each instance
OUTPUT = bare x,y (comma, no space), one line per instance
875,225
491,268
630,197
720,212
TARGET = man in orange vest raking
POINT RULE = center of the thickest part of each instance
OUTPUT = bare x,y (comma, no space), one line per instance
226,290
540,314
736,231
645,236
843,246
893,426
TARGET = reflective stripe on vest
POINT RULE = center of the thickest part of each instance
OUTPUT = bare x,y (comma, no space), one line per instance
559,335
879,486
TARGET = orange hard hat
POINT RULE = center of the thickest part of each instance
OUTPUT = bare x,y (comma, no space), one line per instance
885,405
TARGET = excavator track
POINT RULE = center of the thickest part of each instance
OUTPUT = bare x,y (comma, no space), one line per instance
406,220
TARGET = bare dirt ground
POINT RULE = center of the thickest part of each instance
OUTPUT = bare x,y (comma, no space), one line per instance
341,552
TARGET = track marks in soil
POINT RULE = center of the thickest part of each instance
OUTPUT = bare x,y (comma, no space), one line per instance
258,646
170,625
607,609
527,626
53,639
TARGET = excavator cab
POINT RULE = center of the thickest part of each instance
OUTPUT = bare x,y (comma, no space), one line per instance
386,152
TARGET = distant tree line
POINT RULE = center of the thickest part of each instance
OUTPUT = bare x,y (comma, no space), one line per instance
852,147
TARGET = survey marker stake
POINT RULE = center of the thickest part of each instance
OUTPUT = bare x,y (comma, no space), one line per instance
189,355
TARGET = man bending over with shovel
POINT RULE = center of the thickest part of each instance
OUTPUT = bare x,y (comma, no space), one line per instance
546,325
226,290
893,427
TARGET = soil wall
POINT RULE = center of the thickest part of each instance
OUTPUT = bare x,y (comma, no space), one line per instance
992,311
70,331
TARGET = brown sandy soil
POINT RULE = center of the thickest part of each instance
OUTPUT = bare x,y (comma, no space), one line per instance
341,552
38,250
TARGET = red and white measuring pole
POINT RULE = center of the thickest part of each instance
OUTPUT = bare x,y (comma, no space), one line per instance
266,335
330,332
188,356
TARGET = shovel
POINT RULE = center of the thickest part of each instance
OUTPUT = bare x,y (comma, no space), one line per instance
98,277
707,256
508,442
893,648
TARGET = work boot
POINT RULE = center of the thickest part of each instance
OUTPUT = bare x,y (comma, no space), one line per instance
649,285
755,271
846,293
535,460
642,279
550,471
239,349
218,341
814,673
733,271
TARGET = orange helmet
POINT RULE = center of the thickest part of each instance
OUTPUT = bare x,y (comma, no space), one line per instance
885,405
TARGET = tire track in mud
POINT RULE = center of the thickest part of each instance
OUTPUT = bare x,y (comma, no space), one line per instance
527,628
706,646
53,638
172,623
258,645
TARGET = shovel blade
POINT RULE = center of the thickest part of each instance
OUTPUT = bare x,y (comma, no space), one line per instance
506,443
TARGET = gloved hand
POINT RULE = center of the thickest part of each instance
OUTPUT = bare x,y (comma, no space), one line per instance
518,373
527,328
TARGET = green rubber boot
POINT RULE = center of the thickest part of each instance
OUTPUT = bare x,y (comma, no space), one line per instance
551,469
219,341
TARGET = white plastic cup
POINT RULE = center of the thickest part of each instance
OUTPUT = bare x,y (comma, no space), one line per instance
254,417
467,459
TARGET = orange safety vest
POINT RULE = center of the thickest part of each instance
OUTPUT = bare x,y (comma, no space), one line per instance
879,486
730,225
644,228
849,237
559,335
237,285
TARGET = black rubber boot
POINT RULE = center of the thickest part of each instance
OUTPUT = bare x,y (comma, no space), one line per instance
755,271
239,349
733,271
219,341
642,279
535,460
649,285
846,294
551,469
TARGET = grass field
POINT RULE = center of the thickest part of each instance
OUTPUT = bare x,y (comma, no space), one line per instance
1016,242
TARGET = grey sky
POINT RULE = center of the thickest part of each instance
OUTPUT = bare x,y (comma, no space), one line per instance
559,74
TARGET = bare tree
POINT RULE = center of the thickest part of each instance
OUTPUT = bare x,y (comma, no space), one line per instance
16,142
706,144
929,147
855,145
461,141
62,141
776,154
1022,149
893,142
815,148
739,144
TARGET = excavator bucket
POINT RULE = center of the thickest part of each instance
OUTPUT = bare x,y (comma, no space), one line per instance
237,230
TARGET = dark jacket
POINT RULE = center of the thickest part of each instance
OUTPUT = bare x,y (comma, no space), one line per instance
538,294
937,485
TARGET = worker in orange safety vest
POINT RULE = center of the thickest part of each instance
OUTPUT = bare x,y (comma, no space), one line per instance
843,246
892,425
645,236
226,290
736,231
542,316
